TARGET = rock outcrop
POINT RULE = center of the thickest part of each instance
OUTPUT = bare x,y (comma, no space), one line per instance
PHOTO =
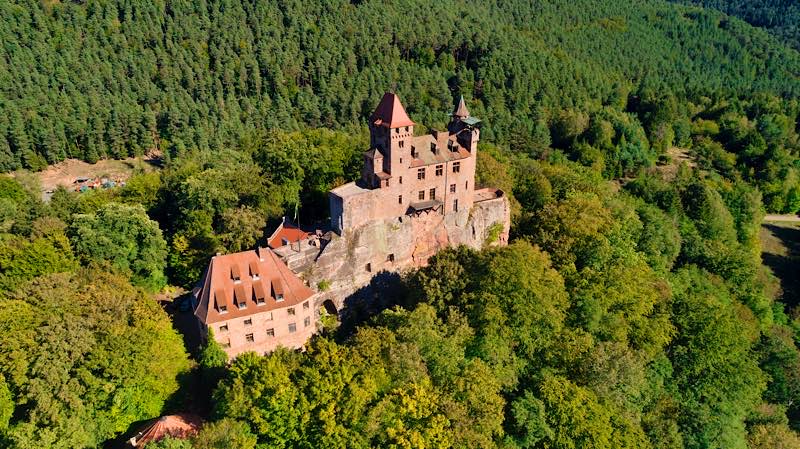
344,265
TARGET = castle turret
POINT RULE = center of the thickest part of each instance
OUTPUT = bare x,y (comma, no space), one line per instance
465,127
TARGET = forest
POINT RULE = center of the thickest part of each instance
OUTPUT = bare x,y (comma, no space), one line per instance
631,308
779,17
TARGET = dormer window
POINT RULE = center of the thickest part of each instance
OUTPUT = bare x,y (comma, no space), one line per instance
223,309
255,270
433,148
279,297
236,274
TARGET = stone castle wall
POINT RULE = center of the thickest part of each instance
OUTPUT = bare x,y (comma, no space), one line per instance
351,262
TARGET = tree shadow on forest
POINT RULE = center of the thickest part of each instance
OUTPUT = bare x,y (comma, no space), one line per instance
385,290
786,267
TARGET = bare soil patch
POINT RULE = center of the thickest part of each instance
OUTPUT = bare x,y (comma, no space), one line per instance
66,173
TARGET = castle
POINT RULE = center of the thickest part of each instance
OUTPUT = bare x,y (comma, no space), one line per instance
404,173
416,196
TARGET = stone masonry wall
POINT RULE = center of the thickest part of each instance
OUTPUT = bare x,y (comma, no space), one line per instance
352,261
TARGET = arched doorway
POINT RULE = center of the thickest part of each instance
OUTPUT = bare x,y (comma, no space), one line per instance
330,307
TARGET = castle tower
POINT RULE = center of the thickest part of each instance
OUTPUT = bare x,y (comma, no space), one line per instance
465,127
391,131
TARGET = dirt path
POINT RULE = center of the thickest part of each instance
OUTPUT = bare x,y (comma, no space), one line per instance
775,218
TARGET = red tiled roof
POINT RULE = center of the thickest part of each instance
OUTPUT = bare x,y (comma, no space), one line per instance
461,109
390,112
286,232
175,426
220,289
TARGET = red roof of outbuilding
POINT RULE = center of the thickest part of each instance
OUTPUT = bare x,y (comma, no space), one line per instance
288,232
175,426
390,112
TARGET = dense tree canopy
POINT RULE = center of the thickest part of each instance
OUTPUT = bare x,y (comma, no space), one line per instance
639,142
84,355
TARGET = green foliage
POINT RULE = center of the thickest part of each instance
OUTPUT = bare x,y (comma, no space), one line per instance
22,259
84,355
224,434
716,377
324,285
131,78
124,237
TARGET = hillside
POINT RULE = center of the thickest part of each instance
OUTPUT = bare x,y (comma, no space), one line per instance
116,78
639,303
779,17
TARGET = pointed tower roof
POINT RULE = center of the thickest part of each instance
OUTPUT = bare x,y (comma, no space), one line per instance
461,110
390,112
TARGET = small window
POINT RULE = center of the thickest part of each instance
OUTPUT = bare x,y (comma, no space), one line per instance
368,267
432,194
452,188
248,322
290,311
249,338
466,185
401,161
402,143
439,170
456,167
270,333
433,147
279,297
226,344
413,151
390,258
401,178
406,128
455,205
421,195
400,199
223,328
223,309
292,328
307,321
268,316
305,305
420,173
397,130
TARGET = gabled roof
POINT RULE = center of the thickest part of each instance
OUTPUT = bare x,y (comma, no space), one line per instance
220,289
176,426
461,109
374,153
390,112
286,231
